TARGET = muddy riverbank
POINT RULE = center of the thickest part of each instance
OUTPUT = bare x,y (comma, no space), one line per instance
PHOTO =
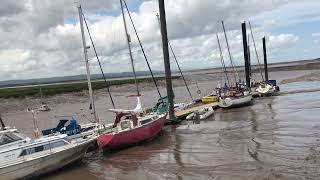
275,138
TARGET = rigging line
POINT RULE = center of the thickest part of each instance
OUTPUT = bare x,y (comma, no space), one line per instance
142,49
129,48
255,48
226,79
175,58
236,75
95,51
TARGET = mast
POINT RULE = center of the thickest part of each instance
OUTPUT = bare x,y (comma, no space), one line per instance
255,49
166,57
249,57
245,54
95,51
222,62
265,59
129,48
85,51
142,49
236,75
175,58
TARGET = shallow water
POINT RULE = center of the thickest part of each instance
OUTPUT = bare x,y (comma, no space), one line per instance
275,138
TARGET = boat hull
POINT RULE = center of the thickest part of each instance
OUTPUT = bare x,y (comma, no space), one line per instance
36,166
132,136
236,102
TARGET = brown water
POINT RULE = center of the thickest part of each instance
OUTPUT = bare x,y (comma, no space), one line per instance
275,138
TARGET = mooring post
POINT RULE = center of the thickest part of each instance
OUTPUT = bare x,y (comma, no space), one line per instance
245,54
166,59
265,59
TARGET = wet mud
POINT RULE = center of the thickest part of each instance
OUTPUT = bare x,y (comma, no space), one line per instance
275,138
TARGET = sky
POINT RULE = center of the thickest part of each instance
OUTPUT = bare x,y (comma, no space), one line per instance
41,38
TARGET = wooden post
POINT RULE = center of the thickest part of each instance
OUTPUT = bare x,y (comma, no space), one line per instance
166,59
265,59
245,54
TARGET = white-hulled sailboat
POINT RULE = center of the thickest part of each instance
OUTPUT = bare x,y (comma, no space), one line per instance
231,95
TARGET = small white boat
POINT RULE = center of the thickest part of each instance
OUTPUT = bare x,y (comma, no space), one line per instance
201,114
23,157
230,102
181,106
266,90
44,107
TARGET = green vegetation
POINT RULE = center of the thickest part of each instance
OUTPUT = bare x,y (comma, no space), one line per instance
49,90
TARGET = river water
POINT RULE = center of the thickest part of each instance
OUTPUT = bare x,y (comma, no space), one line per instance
275,138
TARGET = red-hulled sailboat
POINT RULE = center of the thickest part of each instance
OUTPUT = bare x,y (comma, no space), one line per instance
133,126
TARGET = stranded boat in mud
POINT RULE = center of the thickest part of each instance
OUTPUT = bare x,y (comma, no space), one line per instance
23,157
131,127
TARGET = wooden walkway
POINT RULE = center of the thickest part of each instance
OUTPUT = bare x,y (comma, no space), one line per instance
187,111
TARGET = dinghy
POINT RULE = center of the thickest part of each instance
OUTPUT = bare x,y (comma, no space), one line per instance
201,114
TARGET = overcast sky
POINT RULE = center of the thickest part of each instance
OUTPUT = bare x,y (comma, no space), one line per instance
41,38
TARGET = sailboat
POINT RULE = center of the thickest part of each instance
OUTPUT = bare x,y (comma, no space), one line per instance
71,127
232,95
265,87
132,126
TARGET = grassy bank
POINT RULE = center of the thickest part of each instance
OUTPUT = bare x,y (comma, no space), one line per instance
49,90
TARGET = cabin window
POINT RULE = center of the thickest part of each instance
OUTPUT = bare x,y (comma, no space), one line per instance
125,124
145,121
8,138
42,148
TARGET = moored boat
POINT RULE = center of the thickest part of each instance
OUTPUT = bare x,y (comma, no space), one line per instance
234,101
24,157
232,97
201,114
131,127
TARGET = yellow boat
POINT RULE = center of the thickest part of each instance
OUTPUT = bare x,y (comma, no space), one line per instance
209,99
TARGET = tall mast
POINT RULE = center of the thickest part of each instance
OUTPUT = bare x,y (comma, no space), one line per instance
129,48
230,56
85,52
166,58
142,49
255,49
95,51
175,58
222,62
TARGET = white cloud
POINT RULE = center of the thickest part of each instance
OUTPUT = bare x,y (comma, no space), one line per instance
41,38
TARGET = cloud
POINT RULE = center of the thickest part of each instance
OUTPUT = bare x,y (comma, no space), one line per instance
41,38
